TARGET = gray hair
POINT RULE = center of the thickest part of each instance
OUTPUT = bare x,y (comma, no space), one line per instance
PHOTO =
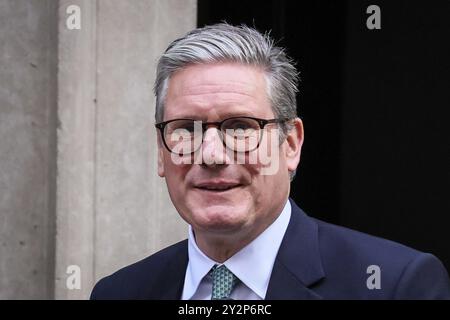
226,43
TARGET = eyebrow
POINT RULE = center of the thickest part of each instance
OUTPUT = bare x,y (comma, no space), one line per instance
225,115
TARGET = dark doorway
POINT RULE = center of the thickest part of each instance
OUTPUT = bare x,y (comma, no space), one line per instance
375,105
313,33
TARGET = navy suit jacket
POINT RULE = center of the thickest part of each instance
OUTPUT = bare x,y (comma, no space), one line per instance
316,260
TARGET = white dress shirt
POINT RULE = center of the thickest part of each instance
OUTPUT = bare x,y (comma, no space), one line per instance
252,264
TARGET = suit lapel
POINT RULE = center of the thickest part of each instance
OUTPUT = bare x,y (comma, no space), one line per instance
298,264
284,285
172,281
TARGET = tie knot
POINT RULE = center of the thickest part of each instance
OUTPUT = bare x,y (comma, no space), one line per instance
223,282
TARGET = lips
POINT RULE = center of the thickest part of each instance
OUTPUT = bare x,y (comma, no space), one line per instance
219,186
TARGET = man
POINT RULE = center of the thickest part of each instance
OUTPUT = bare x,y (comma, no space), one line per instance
229,144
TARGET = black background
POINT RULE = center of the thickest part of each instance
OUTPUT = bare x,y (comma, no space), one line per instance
375,106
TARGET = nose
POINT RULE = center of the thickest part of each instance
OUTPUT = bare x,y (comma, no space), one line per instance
213,150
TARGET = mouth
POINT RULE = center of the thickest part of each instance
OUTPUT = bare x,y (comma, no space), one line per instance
219,187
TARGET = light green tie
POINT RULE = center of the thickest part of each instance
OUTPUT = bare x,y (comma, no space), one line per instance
223,282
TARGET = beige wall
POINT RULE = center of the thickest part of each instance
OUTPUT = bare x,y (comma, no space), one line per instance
80,158
27,147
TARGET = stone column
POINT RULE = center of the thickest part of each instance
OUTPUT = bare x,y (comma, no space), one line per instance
112,208
27,148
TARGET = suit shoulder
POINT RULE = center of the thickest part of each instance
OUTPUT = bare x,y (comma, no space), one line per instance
156,261
405,273
127,281
356,242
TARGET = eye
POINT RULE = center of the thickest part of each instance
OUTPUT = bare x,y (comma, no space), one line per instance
240,124
188,126
181,125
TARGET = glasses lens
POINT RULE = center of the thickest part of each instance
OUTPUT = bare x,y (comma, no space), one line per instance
241,134
183,136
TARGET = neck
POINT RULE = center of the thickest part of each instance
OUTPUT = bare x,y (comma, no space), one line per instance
221,248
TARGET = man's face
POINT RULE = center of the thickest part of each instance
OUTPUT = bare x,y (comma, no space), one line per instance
252,199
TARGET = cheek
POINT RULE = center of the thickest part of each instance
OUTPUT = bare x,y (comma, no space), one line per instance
267,160
175,180
175,174
270,173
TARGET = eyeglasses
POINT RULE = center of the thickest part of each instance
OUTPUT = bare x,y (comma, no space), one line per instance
240,134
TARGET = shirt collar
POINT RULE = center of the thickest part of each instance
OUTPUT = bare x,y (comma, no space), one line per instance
198,267
261,252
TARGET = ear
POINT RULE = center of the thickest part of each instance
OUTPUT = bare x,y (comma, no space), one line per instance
160,156
294,141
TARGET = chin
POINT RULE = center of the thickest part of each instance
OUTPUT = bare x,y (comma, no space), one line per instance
219,218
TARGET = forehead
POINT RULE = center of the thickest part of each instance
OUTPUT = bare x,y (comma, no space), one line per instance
219,88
